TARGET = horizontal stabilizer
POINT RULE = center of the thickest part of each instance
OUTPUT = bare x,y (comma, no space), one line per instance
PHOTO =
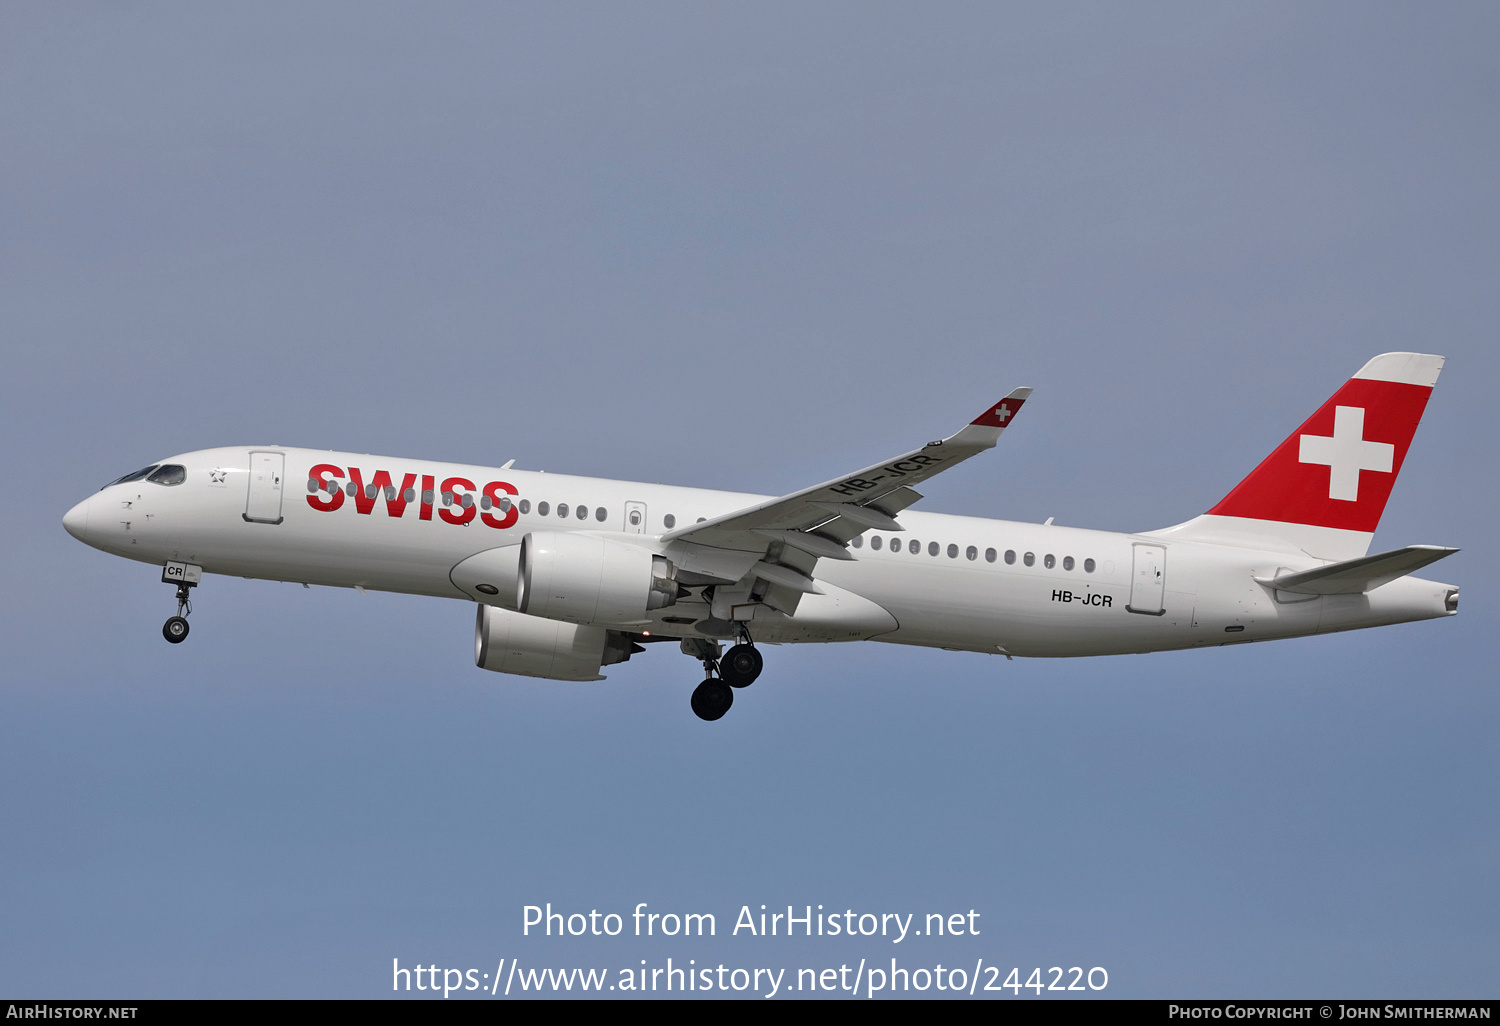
1357,576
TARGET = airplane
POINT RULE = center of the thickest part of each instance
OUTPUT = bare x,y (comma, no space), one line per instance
572,574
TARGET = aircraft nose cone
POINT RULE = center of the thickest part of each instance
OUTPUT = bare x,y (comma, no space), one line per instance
76,521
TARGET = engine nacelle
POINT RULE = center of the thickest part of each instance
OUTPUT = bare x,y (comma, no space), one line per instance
508,642
490,577
588,579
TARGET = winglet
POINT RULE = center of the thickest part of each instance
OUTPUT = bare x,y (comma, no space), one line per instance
984,430
1001,413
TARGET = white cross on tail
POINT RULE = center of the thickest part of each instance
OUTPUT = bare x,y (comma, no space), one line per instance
1346,453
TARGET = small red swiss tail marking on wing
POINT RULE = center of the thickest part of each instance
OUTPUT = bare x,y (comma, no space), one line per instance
1336,470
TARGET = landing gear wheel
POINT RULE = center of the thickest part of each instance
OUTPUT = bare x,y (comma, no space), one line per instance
712,699
175,629
740,666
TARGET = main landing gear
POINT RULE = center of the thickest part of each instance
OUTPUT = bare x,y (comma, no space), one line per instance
736,668
740,665
712,699
185,576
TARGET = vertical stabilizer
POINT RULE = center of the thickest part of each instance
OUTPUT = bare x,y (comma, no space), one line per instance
1322,491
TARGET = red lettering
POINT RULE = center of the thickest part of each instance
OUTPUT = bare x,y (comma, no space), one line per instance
397,507
362,502
511,515
425,513
365,502
465,513
320,500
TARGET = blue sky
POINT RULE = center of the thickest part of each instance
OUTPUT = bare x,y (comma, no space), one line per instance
743,246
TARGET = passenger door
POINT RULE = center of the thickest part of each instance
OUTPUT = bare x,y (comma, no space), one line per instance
267,474
1148,580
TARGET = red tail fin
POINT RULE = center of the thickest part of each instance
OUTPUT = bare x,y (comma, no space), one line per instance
1322,491
1338,468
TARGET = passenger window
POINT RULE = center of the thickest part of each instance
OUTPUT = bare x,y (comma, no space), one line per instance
972,553
635,516
1088,566
599,514
914,547
1049,561
1067,562
349,488
171,474
583,513
484,502
952,551
670,521
427,496
542,509
504,504
989,555
525,505
875,542
562,510
857,542
410,495
1029,559
932,548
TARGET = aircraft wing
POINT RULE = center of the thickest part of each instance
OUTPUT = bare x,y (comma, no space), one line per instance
794,531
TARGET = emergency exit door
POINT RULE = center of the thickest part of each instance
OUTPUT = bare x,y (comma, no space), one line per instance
1148,580
267,475
635,517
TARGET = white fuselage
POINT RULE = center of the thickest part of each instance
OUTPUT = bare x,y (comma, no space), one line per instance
934,580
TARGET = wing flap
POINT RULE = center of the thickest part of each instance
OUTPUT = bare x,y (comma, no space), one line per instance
712,561
813,544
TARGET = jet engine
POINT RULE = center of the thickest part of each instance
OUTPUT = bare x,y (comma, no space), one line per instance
510,642
591,580
490,577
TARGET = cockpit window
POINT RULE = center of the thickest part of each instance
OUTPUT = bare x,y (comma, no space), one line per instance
136,476
170,474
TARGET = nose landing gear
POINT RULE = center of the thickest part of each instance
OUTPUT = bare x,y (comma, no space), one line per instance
175,629
185,576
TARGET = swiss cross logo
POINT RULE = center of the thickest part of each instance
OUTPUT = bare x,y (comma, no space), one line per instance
1001,413
1338,468
1346,453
